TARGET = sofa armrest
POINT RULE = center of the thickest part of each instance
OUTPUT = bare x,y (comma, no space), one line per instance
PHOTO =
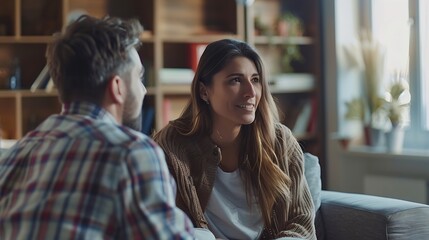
357,216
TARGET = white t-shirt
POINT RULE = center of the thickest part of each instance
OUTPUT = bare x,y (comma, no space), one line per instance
228,213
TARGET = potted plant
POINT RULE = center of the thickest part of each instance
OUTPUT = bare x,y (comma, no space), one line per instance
289,25
369,57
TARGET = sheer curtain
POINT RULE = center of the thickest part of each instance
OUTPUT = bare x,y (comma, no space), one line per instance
391,27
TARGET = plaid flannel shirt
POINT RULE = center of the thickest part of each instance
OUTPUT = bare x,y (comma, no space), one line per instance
80,175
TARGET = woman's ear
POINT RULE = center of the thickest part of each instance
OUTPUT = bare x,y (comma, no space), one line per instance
203,93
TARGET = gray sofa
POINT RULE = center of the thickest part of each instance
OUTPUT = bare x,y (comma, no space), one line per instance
348,216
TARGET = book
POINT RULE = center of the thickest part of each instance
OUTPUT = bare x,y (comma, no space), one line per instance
195,52
50,85
173,108
41,80
148,116
312,124
176,75
303,119
292,82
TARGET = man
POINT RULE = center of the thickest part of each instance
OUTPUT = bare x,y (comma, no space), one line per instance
81,174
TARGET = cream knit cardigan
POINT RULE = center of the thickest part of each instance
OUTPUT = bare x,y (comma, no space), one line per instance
193,162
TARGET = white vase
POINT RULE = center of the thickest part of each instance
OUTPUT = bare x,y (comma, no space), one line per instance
374,137
395,139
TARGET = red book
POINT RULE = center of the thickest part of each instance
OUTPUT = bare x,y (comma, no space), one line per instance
312,124
195,52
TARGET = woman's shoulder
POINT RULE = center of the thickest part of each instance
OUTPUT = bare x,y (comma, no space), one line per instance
169,134
171,137
282,131
288,142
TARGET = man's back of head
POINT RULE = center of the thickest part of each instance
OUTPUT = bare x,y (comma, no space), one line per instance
83,58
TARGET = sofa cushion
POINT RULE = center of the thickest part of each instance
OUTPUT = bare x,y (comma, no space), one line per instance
364,217
312,174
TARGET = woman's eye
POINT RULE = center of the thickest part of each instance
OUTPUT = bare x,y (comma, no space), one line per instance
255,79
235,80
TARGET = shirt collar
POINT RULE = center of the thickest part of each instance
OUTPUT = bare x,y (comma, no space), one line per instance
88,109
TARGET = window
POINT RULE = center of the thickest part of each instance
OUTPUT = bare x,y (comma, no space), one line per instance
402,26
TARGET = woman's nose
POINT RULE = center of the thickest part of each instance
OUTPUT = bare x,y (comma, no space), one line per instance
249,89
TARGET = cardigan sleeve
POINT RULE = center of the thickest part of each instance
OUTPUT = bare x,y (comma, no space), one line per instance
300,213
186,198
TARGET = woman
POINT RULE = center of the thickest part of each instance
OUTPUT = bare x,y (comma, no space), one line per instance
239,171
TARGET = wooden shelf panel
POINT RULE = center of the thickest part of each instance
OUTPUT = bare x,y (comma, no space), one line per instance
198,38
147,36
26,93
25,39
285,89
175,89
8,93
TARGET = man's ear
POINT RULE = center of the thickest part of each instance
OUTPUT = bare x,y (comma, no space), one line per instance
116,89
203,93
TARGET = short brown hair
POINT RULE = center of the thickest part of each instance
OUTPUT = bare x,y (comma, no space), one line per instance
88,53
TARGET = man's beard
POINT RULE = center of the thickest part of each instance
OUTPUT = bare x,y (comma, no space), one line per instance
135,123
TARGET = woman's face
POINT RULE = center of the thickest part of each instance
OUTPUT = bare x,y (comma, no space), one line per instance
235,93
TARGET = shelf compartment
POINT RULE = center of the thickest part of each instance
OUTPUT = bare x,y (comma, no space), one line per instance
272,58
7,19
96,8
147,57
172,107
40,18
297,111
8,112
196,17
31,58
143,10
45,106
177,55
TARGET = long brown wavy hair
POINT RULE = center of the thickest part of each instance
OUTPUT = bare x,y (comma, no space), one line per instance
258,139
